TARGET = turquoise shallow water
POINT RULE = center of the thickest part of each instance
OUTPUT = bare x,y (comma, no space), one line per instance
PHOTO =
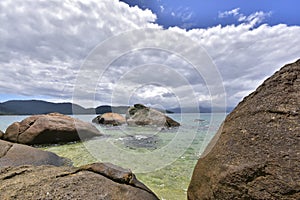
163,159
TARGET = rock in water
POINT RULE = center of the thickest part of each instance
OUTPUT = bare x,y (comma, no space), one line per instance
50,128
95,181
256,155
12,154
114,119
140,115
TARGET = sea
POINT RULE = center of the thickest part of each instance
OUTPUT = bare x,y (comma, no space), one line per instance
161,158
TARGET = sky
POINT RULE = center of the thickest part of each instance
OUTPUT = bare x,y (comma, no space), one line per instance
164,53
191,14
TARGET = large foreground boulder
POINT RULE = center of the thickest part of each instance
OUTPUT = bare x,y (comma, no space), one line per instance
140,115
114,119
256,154
50,128
95,181
12,154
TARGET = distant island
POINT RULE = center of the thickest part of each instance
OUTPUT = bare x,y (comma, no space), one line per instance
33,107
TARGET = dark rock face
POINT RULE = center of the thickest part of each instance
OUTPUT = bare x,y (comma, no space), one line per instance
1,134
140,115
96,181
47,129
114,119
257,151
17,154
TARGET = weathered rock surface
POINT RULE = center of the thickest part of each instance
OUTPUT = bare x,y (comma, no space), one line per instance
12,154
114,119
140,115
257,152
50,128
1,134
95,181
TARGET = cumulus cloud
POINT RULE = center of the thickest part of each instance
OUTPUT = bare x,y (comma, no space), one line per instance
43,43
245,55
44,46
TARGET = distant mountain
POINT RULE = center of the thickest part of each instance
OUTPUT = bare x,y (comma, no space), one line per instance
115,109
201,110
33,107
4,111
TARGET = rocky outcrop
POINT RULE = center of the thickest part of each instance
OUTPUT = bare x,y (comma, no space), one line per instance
140,115
1,134
95,181
12,154
114,119
50,128
256,155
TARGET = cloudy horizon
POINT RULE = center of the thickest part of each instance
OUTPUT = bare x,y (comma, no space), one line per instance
46,47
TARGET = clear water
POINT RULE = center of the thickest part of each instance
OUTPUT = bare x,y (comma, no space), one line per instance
163,159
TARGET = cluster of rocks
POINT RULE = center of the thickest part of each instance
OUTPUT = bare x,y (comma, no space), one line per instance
30,173
138,115
256,153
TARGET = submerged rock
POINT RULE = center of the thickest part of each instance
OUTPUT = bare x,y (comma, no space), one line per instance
95,181
114,119
50,128
140,115
12,154
150,142
256,155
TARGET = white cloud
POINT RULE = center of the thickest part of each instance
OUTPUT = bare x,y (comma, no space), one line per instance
233,12
245,55
44,43
162,8
183,13
253,19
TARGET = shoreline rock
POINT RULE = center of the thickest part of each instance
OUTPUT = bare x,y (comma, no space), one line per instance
94,181
12,154
1,134
255,154
114,119
52,128
140,115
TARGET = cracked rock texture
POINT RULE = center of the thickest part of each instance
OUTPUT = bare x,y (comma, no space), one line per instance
256,152
12,154
95,181
48,129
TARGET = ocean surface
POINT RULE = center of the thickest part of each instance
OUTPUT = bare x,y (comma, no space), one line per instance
162,158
